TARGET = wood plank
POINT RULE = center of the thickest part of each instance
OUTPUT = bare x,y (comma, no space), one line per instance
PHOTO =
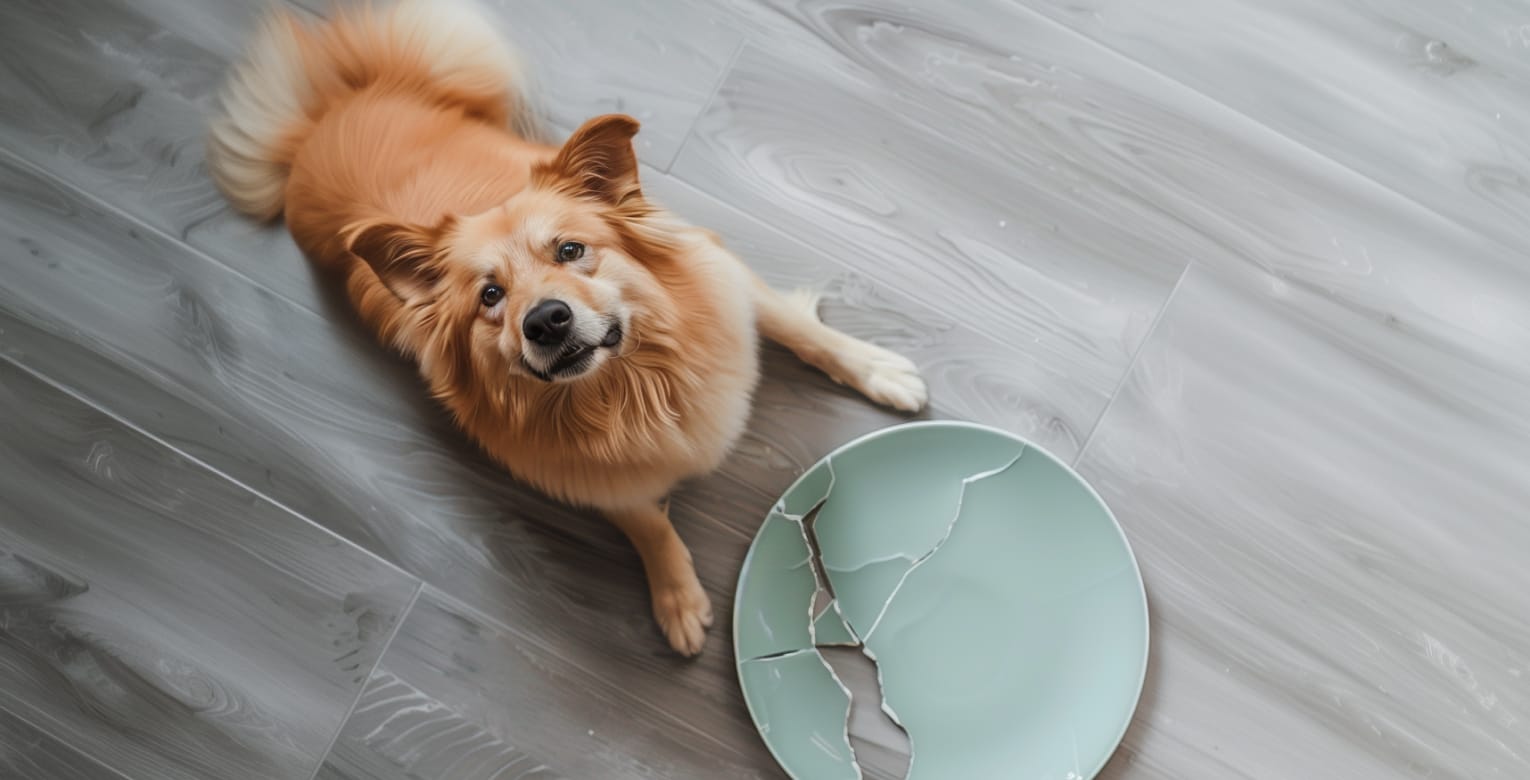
1329,514
1096,133
1429,99
398,732
657,62
460,696
163,620
1065,273
27,753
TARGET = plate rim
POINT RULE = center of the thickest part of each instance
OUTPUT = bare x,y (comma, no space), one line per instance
1131,554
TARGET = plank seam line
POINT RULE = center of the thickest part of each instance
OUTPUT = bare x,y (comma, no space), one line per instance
117,211
11,711
1131,365
722,78
361,689
141,431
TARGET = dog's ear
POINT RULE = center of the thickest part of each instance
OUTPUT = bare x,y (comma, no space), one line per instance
597,160
402,255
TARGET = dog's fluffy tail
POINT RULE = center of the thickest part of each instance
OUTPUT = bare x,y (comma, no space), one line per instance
292,73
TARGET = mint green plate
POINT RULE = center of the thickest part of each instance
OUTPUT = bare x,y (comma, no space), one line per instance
989,583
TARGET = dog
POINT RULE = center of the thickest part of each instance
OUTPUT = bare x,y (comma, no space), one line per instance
598,347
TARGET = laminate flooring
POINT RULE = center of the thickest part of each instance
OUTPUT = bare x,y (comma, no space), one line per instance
1258,269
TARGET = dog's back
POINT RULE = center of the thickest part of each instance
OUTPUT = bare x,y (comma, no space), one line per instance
354,96
402,114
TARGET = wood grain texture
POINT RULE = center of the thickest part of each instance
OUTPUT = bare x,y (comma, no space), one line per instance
1329,515
1008,86
398,731
1044,267
970,374
113,99
1426,98
452,676
28,753
162,620
657,62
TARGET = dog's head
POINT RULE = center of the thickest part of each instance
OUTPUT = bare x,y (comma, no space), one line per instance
547,285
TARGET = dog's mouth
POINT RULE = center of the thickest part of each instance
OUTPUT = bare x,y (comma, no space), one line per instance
575,359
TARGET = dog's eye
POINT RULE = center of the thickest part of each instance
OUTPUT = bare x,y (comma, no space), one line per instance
492,295
569,251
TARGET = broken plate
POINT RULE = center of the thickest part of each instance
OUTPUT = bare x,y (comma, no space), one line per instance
990,584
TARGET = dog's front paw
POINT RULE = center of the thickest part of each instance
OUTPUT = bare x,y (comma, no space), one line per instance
684,612
890,379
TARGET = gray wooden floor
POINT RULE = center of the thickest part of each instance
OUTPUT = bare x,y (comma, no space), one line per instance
1258,268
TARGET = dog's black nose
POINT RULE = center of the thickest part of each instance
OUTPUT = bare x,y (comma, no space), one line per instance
548,323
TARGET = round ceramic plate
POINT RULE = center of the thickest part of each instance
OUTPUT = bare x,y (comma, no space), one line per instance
989,583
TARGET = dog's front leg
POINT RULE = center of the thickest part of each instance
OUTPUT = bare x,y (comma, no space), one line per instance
882,375
679,603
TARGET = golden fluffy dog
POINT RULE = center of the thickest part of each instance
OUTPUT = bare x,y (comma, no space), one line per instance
598,347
